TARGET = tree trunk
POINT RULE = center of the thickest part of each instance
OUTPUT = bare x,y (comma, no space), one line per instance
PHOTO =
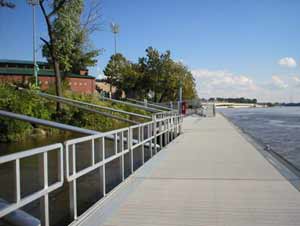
51,46
58,87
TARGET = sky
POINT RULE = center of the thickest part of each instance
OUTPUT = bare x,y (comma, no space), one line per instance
234,48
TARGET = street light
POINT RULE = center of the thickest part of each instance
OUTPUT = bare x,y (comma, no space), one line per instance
115,29
34,3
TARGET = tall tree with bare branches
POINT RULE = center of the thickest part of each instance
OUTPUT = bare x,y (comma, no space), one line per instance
50,16
69,26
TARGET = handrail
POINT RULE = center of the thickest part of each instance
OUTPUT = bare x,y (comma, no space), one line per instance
145,138
147,133
45,190
80,105
47,123
153,110
150,104
93,105
57,99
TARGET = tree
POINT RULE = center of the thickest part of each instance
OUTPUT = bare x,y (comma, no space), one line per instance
53,41
154,69
155,72
115,69
162,75
74,51
5,3
67,45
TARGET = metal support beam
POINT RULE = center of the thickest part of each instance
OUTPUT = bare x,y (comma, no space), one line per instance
153,110
61,100
47,123
159,107
94,105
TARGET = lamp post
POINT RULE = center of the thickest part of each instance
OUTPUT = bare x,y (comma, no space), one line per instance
34,3
115,29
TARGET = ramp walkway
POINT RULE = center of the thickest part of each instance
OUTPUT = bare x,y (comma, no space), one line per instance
209,176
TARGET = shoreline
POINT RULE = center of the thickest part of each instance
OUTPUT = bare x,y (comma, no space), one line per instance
290,172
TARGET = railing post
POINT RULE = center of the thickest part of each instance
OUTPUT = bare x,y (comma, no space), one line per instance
130,135
103,167
122,156
173,127
18,184
161,135
116,143
143,148
93,152
46,197
154,133
168,130
73,187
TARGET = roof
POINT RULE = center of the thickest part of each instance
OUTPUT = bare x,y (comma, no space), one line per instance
22,62
42,72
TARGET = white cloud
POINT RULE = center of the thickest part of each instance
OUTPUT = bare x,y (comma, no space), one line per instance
296,79
287,62
277,82
295,82
222,83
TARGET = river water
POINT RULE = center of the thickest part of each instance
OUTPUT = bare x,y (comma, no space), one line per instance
278,127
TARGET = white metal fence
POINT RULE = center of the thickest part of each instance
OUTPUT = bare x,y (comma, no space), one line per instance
151,136
45,190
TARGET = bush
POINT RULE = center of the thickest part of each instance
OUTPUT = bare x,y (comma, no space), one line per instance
29,103
26,103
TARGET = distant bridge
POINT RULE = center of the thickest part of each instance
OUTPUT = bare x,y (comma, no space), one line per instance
238,105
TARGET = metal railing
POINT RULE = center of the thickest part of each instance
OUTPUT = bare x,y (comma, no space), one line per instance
137,140
46,188
151,104
126,141
150,109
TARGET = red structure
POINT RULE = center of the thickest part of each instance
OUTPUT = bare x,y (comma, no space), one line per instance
183,107
22,71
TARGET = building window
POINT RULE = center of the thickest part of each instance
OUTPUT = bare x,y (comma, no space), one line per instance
75,83
85,83
70,83
80,83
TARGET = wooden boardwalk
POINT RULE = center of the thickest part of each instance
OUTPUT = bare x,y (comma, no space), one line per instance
211,175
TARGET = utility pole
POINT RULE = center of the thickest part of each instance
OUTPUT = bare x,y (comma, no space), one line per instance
34,3
115,29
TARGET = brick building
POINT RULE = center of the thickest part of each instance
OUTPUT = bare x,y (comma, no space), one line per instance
22,71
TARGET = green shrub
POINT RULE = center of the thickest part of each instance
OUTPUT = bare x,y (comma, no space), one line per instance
26,103
29,103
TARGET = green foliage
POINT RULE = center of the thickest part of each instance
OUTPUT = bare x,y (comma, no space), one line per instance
124,75
115,68
72,48
29,103
19,102
155,73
